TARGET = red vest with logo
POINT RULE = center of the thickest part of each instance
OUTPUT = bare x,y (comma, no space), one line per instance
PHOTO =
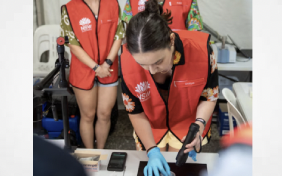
96,38
179,11
187,84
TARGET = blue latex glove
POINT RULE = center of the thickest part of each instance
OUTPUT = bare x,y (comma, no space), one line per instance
156,164
193,155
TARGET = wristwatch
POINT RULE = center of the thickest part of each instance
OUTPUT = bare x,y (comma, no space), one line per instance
95,68
108,61
201,120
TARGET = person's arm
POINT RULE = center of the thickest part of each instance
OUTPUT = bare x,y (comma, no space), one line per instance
142,127
114,50
137,116
210,93
194,20
120,34
207,100
82,55
86,59
66,29
75,46
204,111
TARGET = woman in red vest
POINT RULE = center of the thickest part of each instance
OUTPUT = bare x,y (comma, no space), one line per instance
185,13
95,31
169,80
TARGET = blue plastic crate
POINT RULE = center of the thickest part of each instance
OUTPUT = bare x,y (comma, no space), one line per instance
54,128
223,119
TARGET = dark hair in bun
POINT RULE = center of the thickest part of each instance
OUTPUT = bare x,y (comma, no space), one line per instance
148,30
152,6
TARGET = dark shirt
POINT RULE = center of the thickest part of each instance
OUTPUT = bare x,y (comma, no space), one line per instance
50,160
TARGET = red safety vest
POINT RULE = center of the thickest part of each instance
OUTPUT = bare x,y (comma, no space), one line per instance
96,38
179,11
185,90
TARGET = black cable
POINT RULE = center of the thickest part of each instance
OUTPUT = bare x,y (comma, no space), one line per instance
227,78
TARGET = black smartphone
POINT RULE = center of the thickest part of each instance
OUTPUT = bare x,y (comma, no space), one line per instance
117,161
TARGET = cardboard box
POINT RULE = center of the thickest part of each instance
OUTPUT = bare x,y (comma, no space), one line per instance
223,119
89,159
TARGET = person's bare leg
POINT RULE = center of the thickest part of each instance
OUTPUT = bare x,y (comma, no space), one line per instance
163,149
106,100
171,149
87,103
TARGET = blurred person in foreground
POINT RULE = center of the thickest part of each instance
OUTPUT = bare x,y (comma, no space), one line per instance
236,155
50,160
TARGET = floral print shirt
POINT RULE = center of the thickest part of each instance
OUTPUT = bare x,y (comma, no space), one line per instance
193,22
210,92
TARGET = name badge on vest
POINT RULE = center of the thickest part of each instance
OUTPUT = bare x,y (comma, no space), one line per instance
175,3
189,83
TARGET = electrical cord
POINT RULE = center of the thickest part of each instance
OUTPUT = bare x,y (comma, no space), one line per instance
233,80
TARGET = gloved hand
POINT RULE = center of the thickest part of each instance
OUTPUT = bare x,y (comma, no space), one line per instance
189,147
156,164
193,155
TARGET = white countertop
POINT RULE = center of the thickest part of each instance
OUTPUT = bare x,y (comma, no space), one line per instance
134,157
242,64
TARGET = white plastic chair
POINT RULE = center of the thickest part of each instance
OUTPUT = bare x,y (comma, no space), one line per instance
233,110
45,51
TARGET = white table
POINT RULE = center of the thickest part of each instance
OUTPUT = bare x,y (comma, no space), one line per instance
134,157
241,64
242,92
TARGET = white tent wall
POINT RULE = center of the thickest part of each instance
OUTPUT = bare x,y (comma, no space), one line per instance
232,17
52,12
34,16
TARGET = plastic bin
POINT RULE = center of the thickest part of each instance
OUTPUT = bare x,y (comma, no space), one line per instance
57,126
223,119
54,128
